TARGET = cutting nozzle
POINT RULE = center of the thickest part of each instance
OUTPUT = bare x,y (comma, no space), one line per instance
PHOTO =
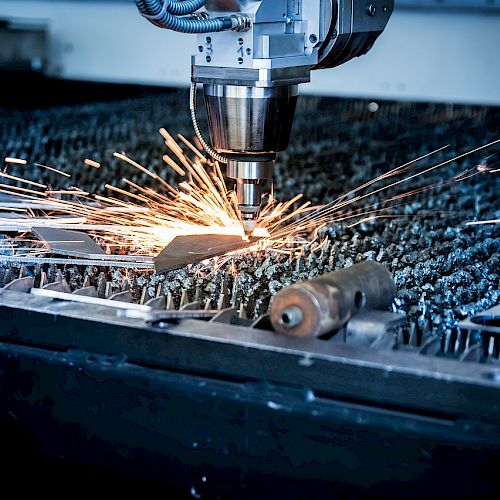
248,126
250,177
249,194
249,226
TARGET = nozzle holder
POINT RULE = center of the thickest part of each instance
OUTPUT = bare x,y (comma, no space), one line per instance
250,120
249,170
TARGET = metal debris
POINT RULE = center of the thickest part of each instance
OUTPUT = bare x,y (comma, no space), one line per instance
457,267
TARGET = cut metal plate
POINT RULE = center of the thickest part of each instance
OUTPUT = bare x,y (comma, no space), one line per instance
92,260
184,250
485,322
64,242
89,300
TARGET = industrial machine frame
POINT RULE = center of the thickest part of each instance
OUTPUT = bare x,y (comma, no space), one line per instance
212,407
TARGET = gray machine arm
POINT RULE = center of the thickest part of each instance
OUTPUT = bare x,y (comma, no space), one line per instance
251,66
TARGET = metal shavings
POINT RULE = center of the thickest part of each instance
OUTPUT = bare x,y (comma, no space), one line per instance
457,265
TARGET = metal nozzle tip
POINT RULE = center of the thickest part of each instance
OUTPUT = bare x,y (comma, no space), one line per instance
249,226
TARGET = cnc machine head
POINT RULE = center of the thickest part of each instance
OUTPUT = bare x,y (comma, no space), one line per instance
250,56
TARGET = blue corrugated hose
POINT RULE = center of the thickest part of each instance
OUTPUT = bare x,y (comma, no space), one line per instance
164,14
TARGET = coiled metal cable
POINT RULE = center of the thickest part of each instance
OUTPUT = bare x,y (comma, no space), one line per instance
192,108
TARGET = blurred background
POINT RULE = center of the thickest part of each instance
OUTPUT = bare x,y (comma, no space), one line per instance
431,50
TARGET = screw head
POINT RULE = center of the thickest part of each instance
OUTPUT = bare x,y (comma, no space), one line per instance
313,38
372,9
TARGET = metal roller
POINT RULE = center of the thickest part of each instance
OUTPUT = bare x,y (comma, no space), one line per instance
322,305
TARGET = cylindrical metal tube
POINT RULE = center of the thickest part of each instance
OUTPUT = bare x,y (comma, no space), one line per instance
256,170
322,305
248,193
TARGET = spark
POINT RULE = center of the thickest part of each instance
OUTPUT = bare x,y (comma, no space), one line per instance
338,210
92,163
17,161
142,221
476,223
138,218
19,179
52,169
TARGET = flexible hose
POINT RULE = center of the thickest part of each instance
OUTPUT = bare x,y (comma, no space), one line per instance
165,15
175,7
185,7
192,108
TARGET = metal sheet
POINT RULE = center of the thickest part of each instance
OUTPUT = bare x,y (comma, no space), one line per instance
64,242
98,261
184,250
89,300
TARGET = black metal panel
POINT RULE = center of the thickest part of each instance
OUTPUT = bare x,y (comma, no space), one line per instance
218,436
399,379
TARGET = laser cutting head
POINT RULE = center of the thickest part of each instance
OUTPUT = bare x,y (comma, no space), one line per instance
249,125
251,56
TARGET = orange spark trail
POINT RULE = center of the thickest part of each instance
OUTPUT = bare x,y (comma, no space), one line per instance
143,221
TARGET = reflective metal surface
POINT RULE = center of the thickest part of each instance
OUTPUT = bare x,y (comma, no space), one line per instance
353,30
237,169
250,119
249,176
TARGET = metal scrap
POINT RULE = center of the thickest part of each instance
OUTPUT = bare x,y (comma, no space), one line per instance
87,299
